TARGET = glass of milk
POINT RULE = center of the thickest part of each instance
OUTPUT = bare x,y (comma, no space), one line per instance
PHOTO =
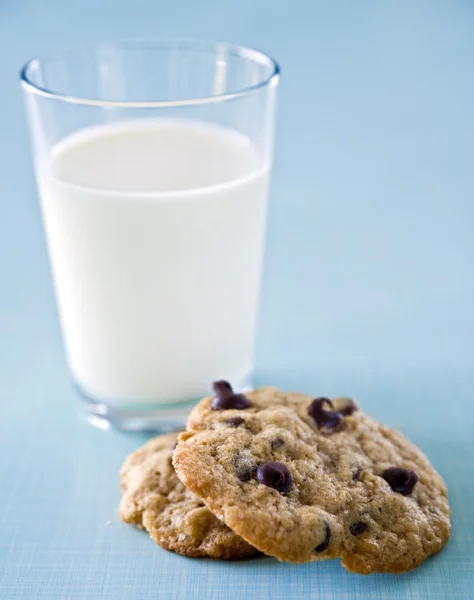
152,162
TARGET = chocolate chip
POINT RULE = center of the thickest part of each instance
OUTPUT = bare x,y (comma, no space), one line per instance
329,420
400,480
275,475
356,474
276,443
235,421
222,388
325,543
358,528
225,398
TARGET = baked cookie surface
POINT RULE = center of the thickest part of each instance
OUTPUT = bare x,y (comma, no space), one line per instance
303,479
154,499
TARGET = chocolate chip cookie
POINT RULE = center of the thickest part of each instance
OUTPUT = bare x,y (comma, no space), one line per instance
154,499
306,479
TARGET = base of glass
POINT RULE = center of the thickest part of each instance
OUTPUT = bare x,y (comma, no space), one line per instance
151,420
136,418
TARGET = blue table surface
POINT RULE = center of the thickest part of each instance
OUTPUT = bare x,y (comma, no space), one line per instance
368,286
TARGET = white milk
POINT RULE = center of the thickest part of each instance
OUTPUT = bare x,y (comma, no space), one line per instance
155,231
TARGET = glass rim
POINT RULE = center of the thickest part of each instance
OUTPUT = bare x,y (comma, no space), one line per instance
242,52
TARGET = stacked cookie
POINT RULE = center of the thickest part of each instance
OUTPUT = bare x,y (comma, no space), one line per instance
293,477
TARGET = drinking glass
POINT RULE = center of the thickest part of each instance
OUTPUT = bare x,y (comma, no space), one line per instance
152,163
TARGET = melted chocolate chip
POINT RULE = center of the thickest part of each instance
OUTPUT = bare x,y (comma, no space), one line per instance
225,398
325,543
400,480
276,443
275,475
356,474
358,528
329,420
235,421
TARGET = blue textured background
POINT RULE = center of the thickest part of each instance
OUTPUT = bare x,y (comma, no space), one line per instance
368,290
